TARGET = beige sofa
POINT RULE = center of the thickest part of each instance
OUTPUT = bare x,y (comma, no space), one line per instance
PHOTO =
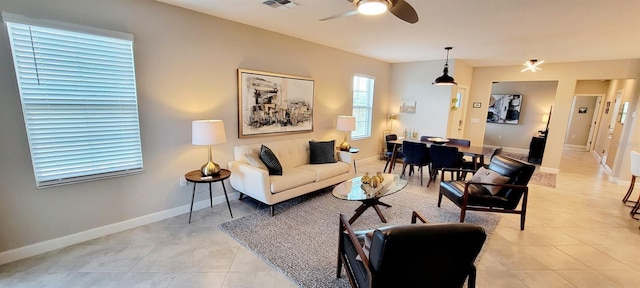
298,177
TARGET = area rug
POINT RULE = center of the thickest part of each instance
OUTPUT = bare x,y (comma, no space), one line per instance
301,240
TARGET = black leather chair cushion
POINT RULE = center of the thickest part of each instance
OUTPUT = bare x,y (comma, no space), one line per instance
478,195
455,246
518,172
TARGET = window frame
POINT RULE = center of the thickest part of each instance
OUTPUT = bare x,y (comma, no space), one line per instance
368,107
59,98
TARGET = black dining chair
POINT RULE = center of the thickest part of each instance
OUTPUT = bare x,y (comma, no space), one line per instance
415,154
426,138
390,147
443,157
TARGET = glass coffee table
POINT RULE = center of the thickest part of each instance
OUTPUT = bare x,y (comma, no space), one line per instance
351,190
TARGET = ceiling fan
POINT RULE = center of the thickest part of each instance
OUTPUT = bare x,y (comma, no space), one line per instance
399,8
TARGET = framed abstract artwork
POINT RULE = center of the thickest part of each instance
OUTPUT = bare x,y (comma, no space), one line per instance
270,103
504,109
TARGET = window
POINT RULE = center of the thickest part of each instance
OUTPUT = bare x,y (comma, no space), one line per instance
362,105
79,100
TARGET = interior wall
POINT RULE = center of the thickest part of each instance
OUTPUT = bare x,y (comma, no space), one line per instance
186,69
413,82
537,98
579,123
567,75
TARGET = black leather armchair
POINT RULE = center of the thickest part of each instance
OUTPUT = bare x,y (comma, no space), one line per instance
474,196
418,255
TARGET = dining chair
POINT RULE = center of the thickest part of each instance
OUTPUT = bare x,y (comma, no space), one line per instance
389,153
426,138
415,154
443,157
635,172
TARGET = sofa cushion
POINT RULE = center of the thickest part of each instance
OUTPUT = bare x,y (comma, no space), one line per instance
270,160
253,157
291,178
327,170
322,152
484,175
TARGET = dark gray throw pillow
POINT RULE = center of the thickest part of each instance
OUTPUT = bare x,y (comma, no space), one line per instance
270,160
322,152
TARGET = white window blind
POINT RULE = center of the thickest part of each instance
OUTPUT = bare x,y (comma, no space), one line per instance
79,102
362,105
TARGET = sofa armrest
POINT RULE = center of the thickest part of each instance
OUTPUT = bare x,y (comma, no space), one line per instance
251,181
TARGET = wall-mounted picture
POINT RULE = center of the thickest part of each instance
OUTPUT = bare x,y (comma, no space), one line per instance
504,108
270,103
582,110
408,107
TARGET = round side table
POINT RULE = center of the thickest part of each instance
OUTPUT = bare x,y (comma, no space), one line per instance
195,177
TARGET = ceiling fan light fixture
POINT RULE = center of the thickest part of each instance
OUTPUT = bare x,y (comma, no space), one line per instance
445,79
532,65
372,7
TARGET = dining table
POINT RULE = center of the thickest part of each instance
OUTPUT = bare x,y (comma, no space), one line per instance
475,152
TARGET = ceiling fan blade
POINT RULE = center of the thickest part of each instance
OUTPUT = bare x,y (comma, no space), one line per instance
345,14
404,11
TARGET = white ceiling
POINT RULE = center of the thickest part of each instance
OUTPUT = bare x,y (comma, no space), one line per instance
482,32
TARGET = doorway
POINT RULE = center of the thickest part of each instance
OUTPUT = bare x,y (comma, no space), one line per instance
583,122
457,113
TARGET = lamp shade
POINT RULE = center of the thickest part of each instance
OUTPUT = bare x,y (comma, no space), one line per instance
545,118
207,132
346,123
445,79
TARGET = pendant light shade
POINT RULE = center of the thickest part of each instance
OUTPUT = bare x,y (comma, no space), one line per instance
445,79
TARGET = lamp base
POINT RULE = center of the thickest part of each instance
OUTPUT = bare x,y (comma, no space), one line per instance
210,169
344,146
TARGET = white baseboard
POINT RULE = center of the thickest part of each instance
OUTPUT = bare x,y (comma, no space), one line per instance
64,241
575,147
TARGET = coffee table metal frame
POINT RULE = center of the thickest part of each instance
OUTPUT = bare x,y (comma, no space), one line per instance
351,190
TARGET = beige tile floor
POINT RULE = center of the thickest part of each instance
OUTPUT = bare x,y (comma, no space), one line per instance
577,235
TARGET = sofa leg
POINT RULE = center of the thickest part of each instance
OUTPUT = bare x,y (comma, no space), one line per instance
273,212
240,197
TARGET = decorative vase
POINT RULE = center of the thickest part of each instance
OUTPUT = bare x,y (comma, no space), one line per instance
379,174
366,178
375,181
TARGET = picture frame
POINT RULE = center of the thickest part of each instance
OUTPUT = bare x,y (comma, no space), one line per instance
271,103
504,108
477,104
582,110
408,107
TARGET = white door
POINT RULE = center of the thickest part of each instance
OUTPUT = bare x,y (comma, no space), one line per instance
594,125
457,113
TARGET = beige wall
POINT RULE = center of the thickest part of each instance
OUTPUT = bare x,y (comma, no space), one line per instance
413,82
567,75
537,98
186,65
579,123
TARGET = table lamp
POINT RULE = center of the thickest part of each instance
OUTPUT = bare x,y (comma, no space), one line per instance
346,123
208,132
392,117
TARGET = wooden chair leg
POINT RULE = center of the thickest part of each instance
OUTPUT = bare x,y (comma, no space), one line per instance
626,196
439,199
463,213
635,209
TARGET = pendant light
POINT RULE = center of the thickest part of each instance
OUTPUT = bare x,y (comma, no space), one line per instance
445,79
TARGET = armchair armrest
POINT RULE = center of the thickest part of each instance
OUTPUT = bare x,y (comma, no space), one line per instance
345,227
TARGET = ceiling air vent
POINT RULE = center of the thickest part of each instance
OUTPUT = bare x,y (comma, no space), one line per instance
281,4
